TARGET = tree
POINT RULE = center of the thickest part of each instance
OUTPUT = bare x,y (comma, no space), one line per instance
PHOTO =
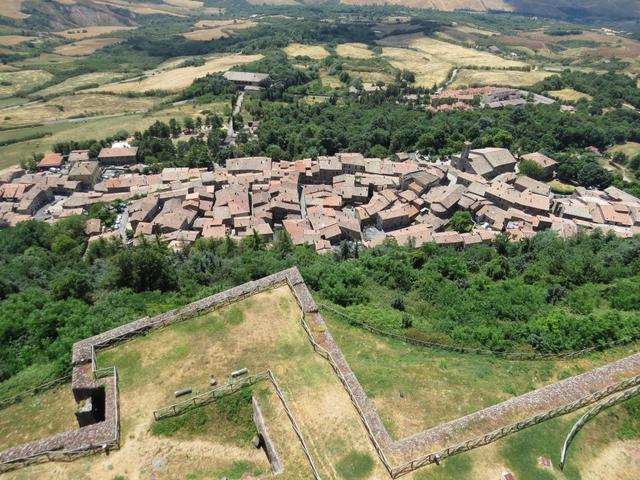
146,267
531,169
71,284
461,222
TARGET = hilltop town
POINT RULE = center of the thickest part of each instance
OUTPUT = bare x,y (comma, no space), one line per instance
318,201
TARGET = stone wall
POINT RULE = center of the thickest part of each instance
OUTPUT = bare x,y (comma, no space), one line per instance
556,398
272,454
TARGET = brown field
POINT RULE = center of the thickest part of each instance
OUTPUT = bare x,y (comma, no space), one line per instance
506,78
189,4
12,9
445,5
329,80
12,82
431,59
214,29
11,40
81,81
316,52
354,50
86,47
74,106
89,32
569,95
179,78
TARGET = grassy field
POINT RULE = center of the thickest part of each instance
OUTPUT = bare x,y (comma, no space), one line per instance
179,78
631,149
214,29
415,389
354,50
569,95
316,52
13,82
79,82
11,40
74,106
85,47
42,415
89,32
467,78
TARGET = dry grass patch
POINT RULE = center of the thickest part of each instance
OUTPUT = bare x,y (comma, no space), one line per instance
272,2
145,9
12,82
316,52
37,416
428,71
11,40
215,29
329,80
354,50
507,78
569,95
81,81
89,32
630,149
74,106
12,9
179,78
86,47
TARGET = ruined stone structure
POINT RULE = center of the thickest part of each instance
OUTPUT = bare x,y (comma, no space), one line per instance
101,387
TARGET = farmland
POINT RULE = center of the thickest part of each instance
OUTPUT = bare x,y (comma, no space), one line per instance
354,50
90,32
13,82
11,40
214,29
12,9
86,47
466,78
73,106
570,95
80,82
178,78
316,52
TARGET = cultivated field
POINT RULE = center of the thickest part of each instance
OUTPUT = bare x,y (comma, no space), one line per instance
569,95
147,8
11,40
86,47
89,32
431,60
179,78
354,50
215,29
12,9
13,82
81,81
316,52
508,78
74,106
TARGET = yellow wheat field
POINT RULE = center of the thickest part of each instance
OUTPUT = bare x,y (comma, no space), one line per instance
86,47
11,40
507,78
317,52
354,50
179,78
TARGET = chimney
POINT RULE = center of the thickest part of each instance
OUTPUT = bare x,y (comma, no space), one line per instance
465,151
